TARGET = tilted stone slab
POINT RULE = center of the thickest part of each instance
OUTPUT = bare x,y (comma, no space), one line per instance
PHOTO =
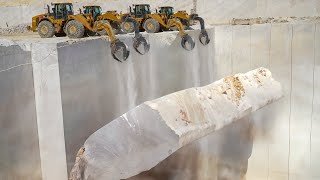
149,133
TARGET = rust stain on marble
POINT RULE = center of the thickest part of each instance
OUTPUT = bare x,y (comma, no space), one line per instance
236,87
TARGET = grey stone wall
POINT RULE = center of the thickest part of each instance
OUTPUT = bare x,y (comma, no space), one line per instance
19,152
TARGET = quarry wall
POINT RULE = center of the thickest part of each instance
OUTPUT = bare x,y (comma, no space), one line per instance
78,88
19,140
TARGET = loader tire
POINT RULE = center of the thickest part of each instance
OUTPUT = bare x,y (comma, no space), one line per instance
104,32
127,27
74,29
151,26
46,29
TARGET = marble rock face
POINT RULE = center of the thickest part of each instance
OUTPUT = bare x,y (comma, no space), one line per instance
149,133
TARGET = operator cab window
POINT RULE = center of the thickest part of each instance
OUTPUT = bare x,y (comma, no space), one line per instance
63,10
138,10
97,10
69,9
147,9
142,10
60,11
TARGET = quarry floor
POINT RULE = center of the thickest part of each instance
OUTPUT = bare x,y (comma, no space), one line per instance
57,92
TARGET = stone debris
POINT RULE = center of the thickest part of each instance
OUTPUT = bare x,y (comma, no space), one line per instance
149,133
14,30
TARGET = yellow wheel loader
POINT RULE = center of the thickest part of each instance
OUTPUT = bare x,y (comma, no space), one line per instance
110,17
186,21
182,16
77,25
53,22
138,12
153,23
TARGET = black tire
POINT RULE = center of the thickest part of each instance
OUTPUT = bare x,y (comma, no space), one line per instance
151,26
104,32
61,34
46,29
127,27
116,27
90,33
74,29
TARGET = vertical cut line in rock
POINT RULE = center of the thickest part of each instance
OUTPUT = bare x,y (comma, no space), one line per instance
231,52
35,108
313,89
270,41
289,152
269,66
268,150
251,64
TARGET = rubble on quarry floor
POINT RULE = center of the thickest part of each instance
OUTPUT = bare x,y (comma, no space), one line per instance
15,30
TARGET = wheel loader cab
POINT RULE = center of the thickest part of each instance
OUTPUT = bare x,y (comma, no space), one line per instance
167,10
62,10
94,10
141,10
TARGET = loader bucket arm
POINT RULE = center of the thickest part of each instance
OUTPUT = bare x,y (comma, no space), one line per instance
187,42
140,43
119,50
181,15
110,15
83,20
203,37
